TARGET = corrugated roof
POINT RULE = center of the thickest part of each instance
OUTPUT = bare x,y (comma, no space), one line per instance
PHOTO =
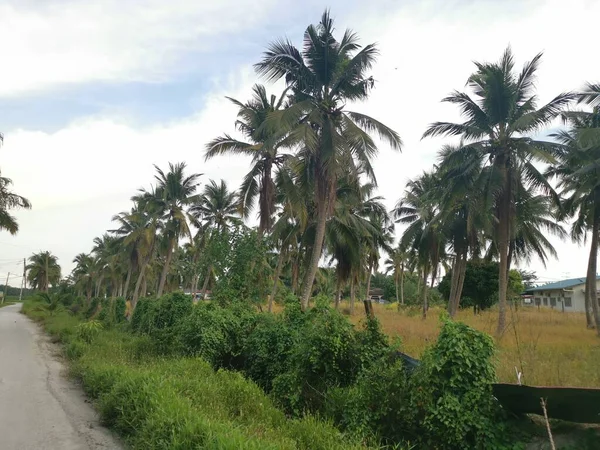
564,284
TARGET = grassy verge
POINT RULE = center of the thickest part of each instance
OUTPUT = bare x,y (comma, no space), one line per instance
2,305
176,403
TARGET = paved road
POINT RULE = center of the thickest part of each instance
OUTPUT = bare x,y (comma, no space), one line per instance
40,409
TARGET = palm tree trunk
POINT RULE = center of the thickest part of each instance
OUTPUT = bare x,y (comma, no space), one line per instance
295,276
503,244
144,290
352,294
311,271
369,280
47,284
138,284
276,279
591,287
453,285
205,284
461,280
396,276
127,280
424,293
402,284
165,270
338,293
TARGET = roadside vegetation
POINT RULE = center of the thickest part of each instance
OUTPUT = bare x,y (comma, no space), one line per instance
214,375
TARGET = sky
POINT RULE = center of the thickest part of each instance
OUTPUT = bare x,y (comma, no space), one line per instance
93,93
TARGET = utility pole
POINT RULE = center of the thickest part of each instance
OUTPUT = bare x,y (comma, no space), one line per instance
5,288
23,281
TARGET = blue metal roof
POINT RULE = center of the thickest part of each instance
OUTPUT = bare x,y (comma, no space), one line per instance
564,284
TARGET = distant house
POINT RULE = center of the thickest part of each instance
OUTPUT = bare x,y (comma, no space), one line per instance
376,295
566,295
198,294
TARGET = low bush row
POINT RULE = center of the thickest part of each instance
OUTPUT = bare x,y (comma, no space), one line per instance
317,362
176,402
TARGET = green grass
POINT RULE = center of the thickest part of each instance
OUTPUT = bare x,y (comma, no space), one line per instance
6,303
178,403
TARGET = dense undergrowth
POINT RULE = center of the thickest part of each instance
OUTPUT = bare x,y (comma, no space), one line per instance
184,376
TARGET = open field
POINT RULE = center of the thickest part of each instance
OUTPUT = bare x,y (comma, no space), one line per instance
549,347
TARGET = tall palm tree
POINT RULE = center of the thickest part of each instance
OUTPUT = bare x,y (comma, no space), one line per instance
499,119
396,263
108,249
85,274
174,191
129,250
579,180
465,219
323,77
217,209
263,146
418,208
9,200
43,270
138,232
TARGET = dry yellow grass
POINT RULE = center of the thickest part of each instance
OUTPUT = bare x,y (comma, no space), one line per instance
553,348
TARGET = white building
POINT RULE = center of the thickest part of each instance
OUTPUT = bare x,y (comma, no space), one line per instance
566,295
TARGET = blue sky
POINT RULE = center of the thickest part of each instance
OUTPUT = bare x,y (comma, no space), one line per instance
93,93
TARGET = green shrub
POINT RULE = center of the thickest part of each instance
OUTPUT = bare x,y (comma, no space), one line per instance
92,308
120,309
217,334
268,348
327,355
378,406
139,318
453,392
87,331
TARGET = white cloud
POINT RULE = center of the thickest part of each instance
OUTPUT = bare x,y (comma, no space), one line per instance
79,176
62,42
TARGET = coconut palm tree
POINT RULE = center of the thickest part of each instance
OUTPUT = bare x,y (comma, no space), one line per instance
263,146
217,209
418,208
396,263
323,77
85,274
108,249
129,250
9,200
579,181
174,191
464,217
43,270
500,117
138,232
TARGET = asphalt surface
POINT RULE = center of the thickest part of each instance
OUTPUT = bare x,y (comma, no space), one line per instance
40,408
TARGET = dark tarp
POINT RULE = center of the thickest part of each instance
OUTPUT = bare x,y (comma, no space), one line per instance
580,405
567,403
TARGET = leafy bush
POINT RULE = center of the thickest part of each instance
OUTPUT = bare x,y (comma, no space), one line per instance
217,334
329,354
453,392
87,331
92,308
139,318
268,348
